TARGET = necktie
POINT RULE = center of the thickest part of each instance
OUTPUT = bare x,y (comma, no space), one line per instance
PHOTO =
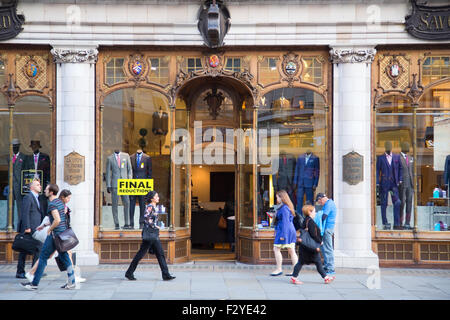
118,161
139,160
35,159
14,158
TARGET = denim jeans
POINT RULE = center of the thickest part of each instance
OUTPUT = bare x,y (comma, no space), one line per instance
46,252
327,251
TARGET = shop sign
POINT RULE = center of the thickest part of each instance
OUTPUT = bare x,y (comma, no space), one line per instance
27,177
74,168
429,22
10,22
353,168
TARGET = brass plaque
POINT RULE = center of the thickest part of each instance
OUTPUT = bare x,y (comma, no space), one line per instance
74,168
353,168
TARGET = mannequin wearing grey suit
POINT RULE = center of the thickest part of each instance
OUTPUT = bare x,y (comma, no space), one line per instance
19,163
113,173
406,188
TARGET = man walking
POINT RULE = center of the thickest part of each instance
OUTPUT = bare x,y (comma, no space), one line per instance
58,224
30,219
329,220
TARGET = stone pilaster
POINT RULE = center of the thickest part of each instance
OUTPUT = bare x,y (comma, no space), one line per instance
351,132
75,130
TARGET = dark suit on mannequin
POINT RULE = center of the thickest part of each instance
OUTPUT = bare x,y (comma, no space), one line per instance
160,123
142,169
406,188
306,178
283,179
389,175
30,219
19,163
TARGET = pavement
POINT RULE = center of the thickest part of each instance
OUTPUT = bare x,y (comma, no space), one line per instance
231,281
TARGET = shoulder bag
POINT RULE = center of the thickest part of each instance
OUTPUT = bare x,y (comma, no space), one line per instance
307,241
24,242
149,234
65,240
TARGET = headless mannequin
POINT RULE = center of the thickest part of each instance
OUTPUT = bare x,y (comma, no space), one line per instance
117,152
406,188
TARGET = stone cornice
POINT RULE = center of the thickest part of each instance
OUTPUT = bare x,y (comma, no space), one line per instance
352,55
74,55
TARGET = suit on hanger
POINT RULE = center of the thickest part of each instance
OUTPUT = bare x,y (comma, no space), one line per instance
389,176
283,179
142,169
160,123
118,166
306,177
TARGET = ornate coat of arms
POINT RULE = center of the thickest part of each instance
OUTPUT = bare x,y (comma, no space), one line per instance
291,68
394,70
137,67
31,71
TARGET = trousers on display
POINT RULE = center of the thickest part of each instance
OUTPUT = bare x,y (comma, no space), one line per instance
301,191
115,204
384,192
141,200
406,198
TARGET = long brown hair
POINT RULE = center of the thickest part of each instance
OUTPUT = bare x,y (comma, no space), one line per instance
286,200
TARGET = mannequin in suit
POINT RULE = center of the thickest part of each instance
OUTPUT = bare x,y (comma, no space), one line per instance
160,123
406,188
40,161
142,169
283,179
389,177
19,161
118,166
306,177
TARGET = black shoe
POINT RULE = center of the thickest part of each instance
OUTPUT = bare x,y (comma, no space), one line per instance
130,277
170,277
44,275
117,227
20,276
407,227
387,226
398,228
131,227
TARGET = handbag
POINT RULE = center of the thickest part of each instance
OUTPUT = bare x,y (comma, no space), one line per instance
41,235
65,240
24,242
222,223
307,241
148,234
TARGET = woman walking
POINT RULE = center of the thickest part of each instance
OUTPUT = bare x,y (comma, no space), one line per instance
153,245
285,234
308,256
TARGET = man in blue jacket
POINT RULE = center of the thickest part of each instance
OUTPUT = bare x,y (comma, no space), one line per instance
306,177
329,221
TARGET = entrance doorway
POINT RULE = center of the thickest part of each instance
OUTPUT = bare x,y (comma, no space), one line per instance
213,196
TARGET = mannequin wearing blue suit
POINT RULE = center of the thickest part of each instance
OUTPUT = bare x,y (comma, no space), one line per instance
389,177
306,178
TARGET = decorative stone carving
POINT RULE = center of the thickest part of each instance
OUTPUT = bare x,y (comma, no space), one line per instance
31,72
352,55
393,73
291,68
74,55
213,22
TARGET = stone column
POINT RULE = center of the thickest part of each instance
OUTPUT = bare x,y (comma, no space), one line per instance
351,132
75,131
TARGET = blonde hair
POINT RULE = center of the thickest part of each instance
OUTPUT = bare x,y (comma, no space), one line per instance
307,210
286,200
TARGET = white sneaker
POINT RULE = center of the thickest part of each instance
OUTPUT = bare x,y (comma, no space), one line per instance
29,276
80,279
68,286
29,286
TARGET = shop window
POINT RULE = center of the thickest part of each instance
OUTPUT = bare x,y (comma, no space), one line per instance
4,156
114,71
192,64
159,70
312,70
134,120
299,116
234,64
435,68
268,71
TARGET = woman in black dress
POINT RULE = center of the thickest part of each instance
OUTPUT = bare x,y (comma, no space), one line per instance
307,256
150,246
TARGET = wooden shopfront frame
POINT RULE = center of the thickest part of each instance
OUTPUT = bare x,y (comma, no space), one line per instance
251,242
402,248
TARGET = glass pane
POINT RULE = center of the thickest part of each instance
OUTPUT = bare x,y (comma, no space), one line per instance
292,128
394,140
33,129
433,160
181,178
134,120
4,156
268,72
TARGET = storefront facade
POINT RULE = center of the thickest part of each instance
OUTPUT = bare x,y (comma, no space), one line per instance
230,124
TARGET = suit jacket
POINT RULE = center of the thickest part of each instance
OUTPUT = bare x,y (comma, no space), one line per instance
307,174
447,170
113,172
43,164
407,171
285,175
387,173
160,123
144,170
31,215
19,165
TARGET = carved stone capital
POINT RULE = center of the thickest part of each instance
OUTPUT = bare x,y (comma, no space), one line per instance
352,55
74,55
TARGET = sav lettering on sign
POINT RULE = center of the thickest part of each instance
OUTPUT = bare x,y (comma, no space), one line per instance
10,21
429,22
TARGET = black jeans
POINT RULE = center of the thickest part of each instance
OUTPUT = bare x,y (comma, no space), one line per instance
150,246
23,257
316,261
